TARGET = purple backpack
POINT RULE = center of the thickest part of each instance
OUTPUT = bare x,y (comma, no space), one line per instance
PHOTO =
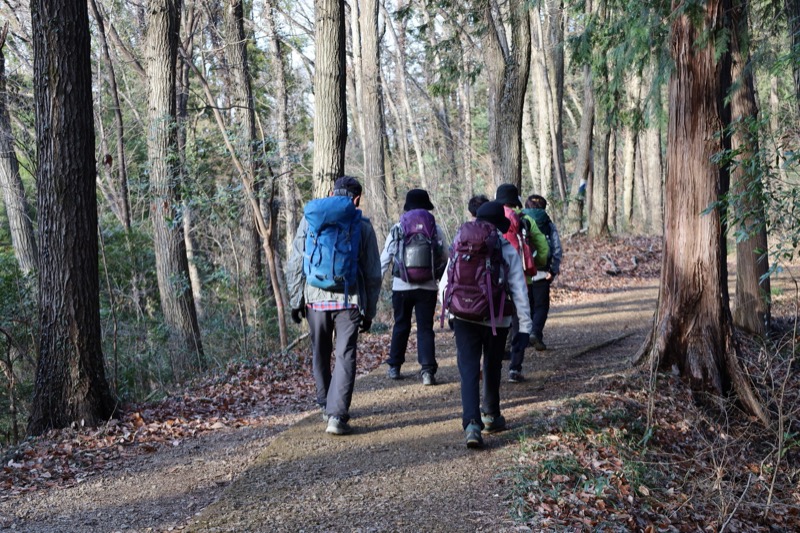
415,261
477,276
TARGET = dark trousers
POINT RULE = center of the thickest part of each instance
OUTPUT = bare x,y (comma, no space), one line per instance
518,354
334,392
472,342
539,298
423,304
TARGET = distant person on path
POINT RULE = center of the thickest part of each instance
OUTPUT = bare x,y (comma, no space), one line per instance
523,232
415,247
539,290
482,262
334,278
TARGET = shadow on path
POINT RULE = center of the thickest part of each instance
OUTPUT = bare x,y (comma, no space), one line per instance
406,467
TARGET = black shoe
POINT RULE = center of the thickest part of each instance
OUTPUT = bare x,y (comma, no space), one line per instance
428,378
473,434
394,373
537,344
515,376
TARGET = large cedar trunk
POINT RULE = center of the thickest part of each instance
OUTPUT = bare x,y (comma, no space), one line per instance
752,309
18,210
70,384
693,326
330,110
583,163
507,65
172,268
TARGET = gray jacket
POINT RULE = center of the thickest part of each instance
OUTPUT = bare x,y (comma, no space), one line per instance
369,273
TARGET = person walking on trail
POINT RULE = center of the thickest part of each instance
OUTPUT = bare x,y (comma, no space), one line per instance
415,247
539,289
333,279
529,241
483,270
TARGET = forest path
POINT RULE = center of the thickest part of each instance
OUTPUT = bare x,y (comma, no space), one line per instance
406,467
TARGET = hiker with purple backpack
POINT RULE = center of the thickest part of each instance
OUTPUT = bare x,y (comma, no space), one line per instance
415,247
484,282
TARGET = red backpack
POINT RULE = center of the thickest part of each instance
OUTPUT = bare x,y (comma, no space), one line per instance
477,276
517,235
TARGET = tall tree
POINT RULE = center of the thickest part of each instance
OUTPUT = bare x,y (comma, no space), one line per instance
330,108
172,266
71,385
372,114
752,309
18,210
693,326
507,65
793,18
243,118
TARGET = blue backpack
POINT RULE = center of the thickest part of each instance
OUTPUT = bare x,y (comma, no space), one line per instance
330,260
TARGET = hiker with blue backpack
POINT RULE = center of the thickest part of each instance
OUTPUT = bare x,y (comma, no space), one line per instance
334,278
484,282
539,289
532,247
415,247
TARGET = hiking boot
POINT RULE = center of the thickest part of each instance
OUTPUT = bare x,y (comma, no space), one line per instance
394,373
515,376
537,344
337,426
492,424
473,434
428,378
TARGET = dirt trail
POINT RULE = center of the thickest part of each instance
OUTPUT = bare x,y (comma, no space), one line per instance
406,467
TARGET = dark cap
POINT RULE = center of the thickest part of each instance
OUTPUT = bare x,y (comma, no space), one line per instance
494,213
417,199
508,194
347,186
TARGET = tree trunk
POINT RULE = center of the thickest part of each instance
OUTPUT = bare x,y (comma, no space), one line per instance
752,304
793,20
583,162
355,77
555,76
629,152
172,268
598,216
693,326
330,111
778,159
507,66
18,210
613,182
243,117
541,95
70,384
119,125
286,179
372,117
529,143
652,156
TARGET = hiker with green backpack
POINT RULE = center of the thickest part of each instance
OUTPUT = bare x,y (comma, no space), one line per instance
333,278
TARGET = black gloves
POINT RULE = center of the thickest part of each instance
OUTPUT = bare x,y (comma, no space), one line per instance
520,341
366,323
298,314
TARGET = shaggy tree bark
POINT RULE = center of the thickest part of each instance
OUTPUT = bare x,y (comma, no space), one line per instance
70,384
507,65
18,210
330,110
172,268
693,326
752,305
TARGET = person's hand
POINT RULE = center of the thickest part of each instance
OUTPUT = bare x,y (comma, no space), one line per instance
520,341
298,314
550,277
366,323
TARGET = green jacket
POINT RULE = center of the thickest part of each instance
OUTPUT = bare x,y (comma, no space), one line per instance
537,240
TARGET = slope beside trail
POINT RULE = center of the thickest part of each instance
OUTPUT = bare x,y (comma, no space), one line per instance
406,467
